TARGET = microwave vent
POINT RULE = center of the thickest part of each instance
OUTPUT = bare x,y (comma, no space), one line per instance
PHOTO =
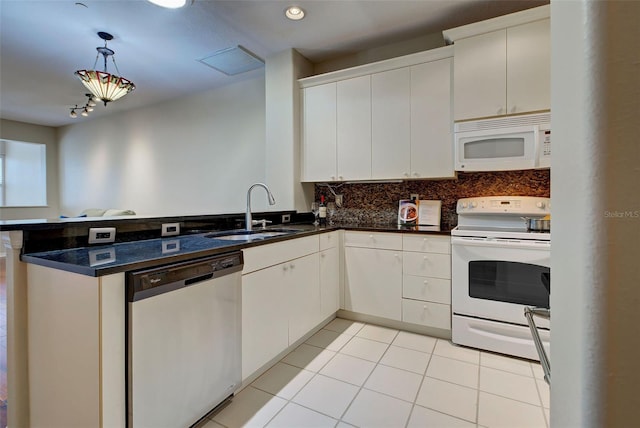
504,122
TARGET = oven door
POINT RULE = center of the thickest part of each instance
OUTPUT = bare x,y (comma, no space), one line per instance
495,279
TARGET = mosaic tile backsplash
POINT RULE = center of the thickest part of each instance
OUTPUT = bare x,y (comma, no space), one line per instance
377,203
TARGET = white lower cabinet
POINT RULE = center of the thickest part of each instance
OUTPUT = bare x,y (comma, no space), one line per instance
302,291
281,297
373,276
399,276
426,313
329,274
265,331
426,283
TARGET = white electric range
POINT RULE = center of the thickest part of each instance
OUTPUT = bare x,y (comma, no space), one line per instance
498,268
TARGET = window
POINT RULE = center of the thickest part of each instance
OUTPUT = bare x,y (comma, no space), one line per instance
23,174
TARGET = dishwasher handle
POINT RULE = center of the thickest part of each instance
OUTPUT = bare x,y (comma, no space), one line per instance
164,279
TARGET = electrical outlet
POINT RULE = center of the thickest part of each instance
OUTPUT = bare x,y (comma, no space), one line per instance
286,218
415,196
102,235
170,229
339,201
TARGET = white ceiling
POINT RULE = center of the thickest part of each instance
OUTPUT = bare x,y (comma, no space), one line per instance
42,43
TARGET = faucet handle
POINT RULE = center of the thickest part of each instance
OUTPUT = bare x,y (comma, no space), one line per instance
263,222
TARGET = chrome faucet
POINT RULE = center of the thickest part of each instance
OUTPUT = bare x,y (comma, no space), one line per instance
247,218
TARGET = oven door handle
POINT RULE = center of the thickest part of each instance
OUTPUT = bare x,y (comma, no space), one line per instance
501,243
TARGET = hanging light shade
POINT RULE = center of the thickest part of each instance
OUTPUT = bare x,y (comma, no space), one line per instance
103,85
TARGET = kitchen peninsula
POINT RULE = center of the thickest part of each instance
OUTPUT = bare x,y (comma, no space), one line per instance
79,297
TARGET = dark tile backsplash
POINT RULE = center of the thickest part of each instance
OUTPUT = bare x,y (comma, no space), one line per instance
377,203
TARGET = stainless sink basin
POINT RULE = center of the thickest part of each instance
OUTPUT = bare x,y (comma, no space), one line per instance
246,235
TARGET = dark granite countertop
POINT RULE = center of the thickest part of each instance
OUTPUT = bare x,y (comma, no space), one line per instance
126,256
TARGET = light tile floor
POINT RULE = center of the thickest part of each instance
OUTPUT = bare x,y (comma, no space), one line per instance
352,374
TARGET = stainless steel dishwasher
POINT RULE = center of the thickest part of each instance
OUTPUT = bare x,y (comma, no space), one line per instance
183,340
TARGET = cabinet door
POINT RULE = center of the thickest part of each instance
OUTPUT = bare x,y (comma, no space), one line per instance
319,133
354,129
264,317
302,295
480,75
431,138
529,67
390,123
373,282
329,282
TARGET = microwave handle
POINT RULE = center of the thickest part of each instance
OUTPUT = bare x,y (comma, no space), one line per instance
537,145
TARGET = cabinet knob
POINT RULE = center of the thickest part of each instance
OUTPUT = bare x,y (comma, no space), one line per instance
333,178
424,239
371,236
426,282
285,268
292,265
396,256
424,307
415,174
340,177
425,258
406,174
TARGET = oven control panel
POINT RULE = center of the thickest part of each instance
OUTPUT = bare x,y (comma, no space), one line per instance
516,205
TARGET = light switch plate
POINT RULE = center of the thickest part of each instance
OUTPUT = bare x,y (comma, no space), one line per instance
286,218
102,235
170,229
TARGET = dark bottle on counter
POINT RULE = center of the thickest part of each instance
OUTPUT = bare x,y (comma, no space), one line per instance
322,212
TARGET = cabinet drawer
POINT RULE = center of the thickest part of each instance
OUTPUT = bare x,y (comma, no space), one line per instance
263,256
427,264
389,241
426,313
429,243
329,240
426,288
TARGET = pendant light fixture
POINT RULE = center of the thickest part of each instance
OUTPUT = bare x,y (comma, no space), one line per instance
105,86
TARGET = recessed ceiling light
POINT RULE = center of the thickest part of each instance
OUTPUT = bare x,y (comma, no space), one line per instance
170,4
294,13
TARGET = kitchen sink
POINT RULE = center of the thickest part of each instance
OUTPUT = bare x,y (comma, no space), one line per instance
249,235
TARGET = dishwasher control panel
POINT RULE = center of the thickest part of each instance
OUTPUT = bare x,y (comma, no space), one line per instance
162,279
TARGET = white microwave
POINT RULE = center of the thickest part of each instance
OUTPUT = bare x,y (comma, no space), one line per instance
503,144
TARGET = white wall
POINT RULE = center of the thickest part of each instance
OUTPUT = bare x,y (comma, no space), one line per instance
19,131
194,155
595,292
283,140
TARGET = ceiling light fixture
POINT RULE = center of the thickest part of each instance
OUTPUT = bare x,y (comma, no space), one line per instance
88,107
294,13
105,86
169,4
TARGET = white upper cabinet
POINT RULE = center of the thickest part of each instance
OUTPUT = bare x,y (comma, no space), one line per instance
502,65
319,131
431,121
480,76
391,124
354,129
391,120
529,67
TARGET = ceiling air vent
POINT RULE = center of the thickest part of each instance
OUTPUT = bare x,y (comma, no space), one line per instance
232,61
